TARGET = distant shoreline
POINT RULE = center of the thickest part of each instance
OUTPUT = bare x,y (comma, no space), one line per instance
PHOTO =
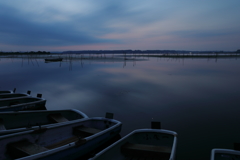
177,52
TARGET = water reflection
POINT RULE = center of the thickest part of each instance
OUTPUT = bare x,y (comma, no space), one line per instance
197,98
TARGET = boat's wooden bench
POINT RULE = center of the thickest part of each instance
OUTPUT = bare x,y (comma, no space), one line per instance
57,118
2,126
63,142
142,150
83,131
24,148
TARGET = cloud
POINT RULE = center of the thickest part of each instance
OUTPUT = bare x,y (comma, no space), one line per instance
116,24
16,29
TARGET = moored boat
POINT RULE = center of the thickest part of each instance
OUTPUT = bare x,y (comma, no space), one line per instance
66,141
157,144
13,95
53,59
225,154
22,103
7,91
11,122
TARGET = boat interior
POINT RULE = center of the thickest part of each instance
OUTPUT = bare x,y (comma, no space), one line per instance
134,151
142,145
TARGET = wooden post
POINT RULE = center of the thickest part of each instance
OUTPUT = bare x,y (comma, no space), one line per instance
156,125
39,95
109,115
14,90
237,146
29,92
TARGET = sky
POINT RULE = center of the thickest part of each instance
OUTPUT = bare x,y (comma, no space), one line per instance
59,25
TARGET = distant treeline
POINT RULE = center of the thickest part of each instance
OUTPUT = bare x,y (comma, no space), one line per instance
141,52
117,52
24,53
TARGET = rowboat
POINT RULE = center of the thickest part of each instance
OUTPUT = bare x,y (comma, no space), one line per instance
6,91
22,103
66,141
157,144
53,59
11,122
12,95
225,154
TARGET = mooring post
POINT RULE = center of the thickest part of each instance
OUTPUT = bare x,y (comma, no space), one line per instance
156,125
29,92
39,95
14,90
237,146
109,115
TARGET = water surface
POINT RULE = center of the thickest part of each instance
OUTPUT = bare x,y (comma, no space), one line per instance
197,98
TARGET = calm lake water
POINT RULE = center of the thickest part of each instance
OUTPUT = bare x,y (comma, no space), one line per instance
197,98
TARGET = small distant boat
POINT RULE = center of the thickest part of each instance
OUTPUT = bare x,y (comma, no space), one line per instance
66,141
225,154
22,103
154,144
13,95
11,122
53,59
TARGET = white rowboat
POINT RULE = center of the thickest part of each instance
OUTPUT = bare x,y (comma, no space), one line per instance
11,122
225,154
157,144
22,103
66,141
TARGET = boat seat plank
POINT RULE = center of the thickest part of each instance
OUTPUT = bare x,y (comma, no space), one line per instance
57,118
2,126
63,142
25,148
138,150
89,130
85,131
